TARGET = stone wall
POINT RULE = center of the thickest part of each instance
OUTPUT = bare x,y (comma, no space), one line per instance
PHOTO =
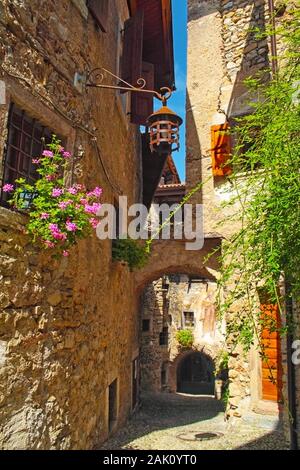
222,52
67,328
164,302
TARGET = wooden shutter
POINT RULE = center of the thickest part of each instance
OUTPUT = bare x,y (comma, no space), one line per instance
99,10
142,103
220,149
271,368
133,48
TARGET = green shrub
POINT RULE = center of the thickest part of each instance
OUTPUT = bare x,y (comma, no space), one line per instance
130,251
185,338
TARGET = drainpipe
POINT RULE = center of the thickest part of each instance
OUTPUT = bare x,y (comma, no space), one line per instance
273,38
291,379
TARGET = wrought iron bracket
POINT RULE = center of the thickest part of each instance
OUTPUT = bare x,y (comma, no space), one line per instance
95,78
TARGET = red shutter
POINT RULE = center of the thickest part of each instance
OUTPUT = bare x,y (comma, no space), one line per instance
220,149
99,10
133,48
142,103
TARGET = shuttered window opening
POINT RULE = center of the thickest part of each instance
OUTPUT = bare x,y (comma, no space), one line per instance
133,48
220,149
142,103
99,11
271,363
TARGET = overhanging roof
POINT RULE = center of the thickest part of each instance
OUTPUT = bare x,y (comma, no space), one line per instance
158,38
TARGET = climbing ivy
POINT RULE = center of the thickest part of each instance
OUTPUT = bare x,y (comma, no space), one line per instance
265,189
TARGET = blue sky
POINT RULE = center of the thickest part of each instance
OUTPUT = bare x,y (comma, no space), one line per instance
177,102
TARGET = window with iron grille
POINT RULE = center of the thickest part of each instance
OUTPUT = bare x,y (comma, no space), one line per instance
26,140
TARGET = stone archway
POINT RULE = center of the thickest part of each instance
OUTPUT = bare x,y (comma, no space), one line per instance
195,374
171,256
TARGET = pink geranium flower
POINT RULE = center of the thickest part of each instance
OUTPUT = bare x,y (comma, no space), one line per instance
66,253
56,192
92,209
47,153
95,193
53,228
45,215
36,161
59,236
67,155
64,204
71,227
73,190
8,188
94,222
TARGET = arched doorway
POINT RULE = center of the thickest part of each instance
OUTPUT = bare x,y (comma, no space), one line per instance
195,374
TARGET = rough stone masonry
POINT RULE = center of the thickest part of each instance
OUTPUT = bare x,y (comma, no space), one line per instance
67,328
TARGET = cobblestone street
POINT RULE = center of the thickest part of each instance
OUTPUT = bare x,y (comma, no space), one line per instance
171,421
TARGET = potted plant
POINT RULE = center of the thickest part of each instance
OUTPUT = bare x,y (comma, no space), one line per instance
58,215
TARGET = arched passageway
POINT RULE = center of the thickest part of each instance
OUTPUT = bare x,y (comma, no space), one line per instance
171,256
195,374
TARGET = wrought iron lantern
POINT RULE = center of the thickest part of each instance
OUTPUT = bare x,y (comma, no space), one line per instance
163,124
164,130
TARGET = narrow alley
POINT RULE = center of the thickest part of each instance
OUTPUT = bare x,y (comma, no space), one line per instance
149,227
176,422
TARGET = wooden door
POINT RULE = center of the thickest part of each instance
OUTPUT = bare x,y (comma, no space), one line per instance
271,366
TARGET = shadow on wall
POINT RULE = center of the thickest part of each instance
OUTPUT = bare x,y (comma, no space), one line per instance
152,356
255,57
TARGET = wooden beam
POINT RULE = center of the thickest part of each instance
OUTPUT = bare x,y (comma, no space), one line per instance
168,36
132,5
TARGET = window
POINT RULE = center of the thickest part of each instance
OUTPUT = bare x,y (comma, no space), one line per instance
164,336
99,11
146,325
189,319
26,140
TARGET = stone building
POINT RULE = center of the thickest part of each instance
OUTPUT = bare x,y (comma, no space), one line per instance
179,303
69,329
222,52
174,303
